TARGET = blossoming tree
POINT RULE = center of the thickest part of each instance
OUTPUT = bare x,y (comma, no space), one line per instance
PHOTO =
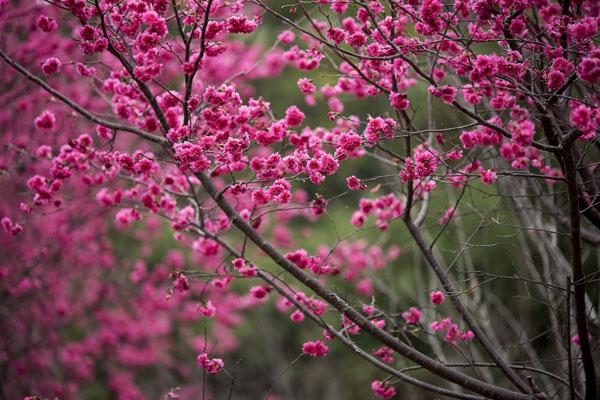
124,119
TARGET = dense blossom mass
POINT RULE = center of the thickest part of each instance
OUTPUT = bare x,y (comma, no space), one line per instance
158,196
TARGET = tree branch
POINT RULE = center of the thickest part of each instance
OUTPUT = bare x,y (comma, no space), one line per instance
76,107
439,369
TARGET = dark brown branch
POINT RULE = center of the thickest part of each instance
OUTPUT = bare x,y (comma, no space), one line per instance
568,340
579,277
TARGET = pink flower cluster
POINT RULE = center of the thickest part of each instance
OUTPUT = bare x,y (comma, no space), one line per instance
423,164
315,349
385,208
378,126
453,334
212,366
437,297
383,390
412,316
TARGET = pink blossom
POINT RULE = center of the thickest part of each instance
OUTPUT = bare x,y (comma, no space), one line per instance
241,25
336,35
452,333
286,37
315,349
127,216
46,24
46,121
446,93
589,69
293,116
339,6
51,66
412,316
437,298
358,219
10,227
369,310
297,316
447,216
354,183
488,176
582,118
383,390
357,39
385,354
181,283
399,101
377,126
306,86
211,366
259,292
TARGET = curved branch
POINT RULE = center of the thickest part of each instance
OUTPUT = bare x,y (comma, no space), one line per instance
471,323
76,107
282,290
439,369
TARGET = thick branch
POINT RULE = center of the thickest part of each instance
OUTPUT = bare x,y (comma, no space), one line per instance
579,278
283,291
439,369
